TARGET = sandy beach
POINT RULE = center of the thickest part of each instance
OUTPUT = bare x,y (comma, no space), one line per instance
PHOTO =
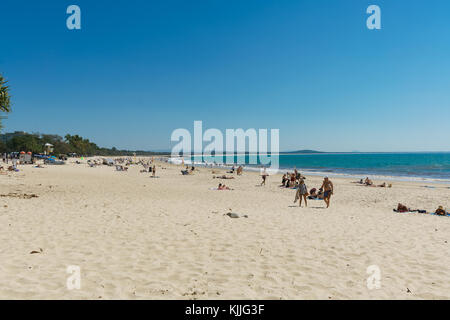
136,237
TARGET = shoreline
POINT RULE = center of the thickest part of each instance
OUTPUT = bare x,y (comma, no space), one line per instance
312,172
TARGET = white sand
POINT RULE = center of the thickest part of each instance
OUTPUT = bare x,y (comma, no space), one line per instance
140,238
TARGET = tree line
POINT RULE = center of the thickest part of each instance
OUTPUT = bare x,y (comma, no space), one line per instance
35,143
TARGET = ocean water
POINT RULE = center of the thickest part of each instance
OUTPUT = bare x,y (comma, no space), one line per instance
406,165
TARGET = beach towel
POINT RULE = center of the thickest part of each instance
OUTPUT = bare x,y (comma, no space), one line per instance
411,211
447,214
423,212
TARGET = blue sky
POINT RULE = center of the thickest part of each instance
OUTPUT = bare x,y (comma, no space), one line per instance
140,69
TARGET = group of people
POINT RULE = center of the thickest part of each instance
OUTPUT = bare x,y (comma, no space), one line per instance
147,167
291,180
325,192
188,170
7,158
368,182
238,170
440,211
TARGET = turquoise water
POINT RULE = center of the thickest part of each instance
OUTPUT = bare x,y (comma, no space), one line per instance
423,165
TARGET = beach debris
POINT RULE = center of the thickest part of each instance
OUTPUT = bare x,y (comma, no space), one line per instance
408,291
19,195
236,215
34,251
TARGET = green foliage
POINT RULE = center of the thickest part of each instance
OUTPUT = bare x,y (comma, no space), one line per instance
5,99
21,141
5,103
27,143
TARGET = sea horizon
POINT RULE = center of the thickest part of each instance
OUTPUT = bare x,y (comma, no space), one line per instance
388,165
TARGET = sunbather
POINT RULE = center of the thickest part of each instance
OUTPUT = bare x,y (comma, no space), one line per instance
222,187
440,211
368,182
402,208
312,194
222,177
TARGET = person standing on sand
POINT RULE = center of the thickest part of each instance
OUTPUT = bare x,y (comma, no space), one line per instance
302,192
327,187
154,171
264,176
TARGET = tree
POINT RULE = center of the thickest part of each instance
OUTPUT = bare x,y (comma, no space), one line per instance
26,142
5,102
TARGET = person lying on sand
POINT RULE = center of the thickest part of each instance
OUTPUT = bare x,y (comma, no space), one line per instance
232,170
402,208
188,171
222,177
313,194
440,211
223,187
384,185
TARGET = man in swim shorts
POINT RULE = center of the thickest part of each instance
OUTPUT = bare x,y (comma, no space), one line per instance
327,187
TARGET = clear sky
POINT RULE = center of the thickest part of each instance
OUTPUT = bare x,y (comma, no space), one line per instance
137,70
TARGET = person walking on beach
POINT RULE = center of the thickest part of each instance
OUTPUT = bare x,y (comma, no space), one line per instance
327,187
264,176
302,192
